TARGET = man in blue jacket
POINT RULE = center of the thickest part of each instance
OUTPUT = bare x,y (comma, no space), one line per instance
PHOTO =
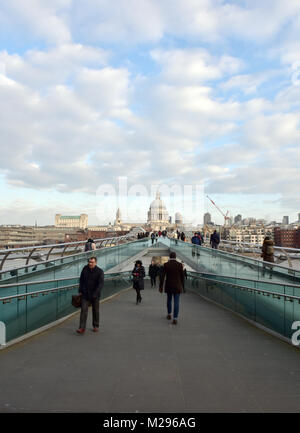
90,287
196,239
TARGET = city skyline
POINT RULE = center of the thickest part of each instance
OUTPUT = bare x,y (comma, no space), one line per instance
161,93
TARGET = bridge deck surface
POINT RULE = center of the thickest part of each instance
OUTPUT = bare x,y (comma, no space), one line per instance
139,362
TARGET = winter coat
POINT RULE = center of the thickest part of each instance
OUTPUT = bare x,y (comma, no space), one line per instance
153,270
138,277
174,276
215,238
196,240
91,283
268,251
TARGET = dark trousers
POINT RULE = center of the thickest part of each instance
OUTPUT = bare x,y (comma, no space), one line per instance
84,313
153,281
176,304
138,295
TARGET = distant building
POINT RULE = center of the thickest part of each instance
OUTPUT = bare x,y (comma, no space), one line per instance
83,235
285,220
118,220
207,218
178,218
80,221
251,221
289,238
238,219
22,236
158,217
248,234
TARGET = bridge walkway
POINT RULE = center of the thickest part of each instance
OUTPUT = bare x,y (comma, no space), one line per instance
212,361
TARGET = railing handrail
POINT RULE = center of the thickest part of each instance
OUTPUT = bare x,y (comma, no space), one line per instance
242,243
240,256
70,255
276,247
55,289
275,283
38,292
33,283
35,247
252,289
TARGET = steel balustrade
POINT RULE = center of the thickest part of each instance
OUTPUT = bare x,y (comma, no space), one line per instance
100,243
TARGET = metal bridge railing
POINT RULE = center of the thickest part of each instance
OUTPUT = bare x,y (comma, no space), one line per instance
273,306
42,253
28,306
281,253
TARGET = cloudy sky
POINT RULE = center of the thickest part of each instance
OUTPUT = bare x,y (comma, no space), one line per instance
168,92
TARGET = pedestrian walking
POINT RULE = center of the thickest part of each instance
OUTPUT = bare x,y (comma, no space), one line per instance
215,240
268,250
138,279
201,238
173,277
152,238
90,287
153,272
90,245
196,240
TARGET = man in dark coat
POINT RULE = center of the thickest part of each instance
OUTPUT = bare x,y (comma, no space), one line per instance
90,287
173,276
215,240
153,272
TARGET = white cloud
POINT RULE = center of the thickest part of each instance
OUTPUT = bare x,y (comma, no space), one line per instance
105,89
194,65
40,18
74,115
129,21
54,66
247,83
139,21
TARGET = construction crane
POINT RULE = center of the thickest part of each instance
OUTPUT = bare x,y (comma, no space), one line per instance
226,217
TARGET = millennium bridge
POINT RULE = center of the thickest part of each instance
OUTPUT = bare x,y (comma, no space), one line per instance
235,347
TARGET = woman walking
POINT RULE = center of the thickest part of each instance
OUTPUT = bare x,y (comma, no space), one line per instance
268,250
138,279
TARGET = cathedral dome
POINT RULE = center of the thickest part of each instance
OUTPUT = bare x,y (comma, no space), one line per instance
157,204
158,212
